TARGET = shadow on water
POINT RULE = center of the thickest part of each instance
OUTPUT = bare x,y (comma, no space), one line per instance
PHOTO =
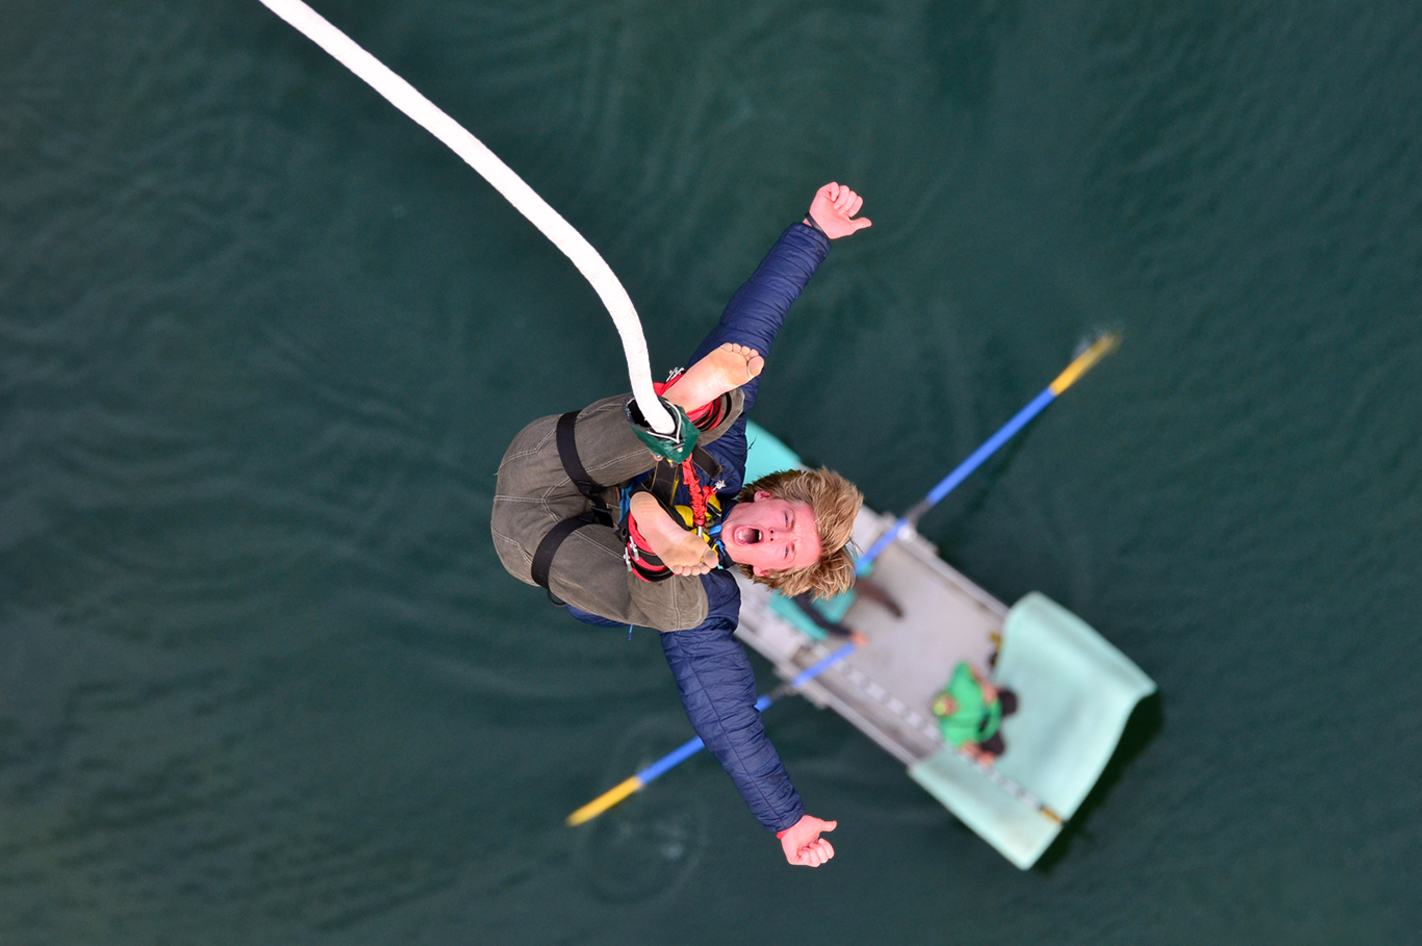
1143,726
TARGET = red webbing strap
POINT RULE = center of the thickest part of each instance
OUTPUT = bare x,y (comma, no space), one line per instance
698,493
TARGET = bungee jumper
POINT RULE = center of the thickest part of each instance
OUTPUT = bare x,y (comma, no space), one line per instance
648,562
628,525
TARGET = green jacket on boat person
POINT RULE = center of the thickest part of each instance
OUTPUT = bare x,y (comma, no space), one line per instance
973,719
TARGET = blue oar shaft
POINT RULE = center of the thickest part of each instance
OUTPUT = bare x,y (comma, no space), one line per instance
960,473
976,458
809,673
693,746
1081,364
671,760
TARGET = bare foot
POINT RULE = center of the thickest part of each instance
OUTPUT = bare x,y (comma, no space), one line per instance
689,556
685,553
724,369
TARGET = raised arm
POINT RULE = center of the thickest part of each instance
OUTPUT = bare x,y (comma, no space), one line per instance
757,311
717,686
718,689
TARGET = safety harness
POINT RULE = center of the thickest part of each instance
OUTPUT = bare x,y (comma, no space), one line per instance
703,516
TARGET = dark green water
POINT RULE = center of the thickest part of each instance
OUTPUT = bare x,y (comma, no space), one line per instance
263,342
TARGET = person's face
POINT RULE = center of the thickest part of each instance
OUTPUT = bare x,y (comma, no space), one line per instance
771,535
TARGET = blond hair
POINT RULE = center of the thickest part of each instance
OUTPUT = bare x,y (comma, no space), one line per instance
835,502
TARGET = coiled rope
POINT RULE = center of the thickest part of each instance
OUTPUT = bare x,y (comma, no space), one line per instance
428,116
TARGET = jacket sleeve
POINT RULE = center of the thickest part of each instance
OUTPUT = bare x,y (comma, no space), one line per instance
755,313
717,685
754,316
712,670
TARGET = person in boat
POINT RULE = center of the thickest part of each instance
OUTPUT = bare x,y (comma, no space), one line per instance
623,534
970,711
863,588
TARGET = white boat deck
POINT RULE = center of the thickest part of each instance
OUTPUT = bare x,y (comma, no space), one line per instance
1077,691
885,688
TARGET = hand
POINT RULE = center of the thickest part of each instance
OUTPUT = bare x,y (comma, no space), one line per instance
979,753
803,845
832,209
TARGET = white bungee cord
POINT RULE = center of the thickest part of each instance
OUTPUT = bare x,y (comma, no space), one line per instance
429,116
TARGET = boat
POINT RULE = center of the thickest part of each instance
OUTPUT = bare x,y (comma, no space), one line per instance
1076,691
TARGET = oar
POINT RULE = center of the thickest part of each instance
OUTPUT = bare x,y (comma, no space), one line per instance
692,746
1083,362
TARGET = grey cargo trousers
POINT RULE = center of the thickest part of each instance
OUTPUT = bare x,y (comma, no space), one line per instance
535,493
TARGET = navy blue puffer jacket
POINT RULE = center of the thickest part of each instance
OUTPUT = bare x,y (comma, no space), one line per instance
712,670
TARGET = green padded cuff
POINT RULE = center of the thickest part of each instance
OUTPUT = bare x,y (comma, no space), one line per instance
675,446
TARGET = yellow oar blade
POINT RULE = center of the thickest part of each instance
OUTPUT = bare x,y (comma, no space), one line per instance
1099,349
605,801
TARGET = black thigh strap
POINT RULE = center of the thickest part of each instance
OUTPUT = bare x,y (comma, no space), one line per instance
598,515
572,463
543,555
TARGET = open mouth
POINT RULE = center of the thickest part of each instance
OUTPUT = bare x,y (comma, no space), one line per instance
747,535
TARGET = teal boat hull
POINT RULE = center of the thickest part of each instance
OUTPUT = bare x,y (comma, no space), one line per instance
1076,691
